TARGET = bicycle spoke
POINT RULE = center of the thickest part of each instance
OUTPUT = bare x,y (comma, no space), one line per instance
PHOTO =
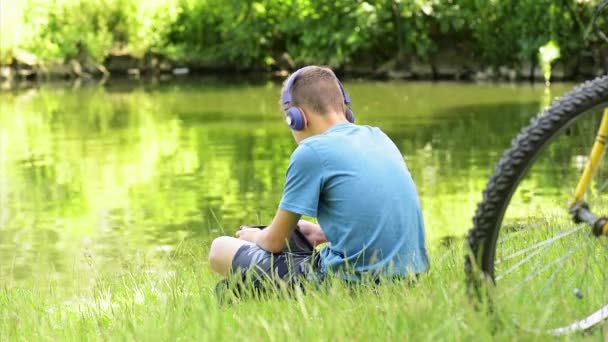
594,256
519,232
523,261
542,243
561,266
546,267
550,280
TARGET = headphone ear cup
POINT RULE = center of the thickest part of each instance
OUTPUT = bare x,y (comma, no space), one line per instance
295,119
350,116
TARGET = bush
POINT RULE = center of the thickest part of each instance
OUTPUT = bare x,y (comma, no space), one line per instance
254,34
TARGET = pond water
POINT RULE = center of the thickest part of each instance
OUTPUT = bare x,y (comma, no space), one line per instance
110,171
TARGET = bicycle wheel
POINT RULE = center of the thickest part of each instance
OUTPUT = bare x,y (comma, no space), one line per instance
548,271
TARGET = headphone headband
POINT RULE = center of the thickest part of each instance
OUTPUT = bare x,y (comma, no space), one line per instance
344,93
286,96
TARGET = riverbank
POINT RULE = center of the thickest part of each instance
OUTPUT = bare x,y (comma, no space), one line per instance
26,68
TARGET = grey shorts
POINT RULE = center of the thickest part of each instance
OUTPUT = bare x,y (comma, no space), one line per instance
299,261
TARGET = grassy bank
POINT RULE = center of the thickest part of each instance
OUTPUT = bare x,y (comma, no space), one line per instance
178,303
425,38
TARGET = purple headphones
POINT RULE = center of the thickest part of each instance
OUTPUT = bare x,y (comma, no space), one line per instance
293,115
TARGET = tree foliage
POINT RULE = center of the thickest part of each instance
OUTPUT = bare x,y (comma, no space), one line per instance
257,34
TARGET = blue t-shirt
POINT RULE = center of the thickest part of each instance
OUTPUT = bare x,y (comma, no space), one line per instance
354,180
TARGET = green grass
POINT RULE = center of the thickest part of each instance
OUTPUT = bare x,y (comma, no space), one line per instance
178,303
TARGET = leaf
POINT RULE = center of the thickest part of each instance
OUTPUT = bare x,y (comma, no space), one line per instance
259,8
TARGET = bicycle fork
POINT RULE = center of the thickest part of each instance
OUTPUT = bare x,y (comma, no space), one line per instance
579,208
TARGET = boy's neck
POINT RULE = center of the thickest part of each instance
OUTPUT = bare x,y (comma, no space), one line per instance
319,124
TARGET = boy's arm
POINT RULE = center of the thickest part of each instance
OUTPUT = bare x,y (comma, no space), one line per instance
274,237
303,184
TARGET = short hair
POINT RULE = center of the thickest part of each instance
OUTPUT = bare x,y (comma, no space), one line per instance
317,89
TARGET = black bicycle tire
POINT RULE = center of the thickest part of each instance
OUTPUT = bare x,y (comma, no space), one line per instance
513,166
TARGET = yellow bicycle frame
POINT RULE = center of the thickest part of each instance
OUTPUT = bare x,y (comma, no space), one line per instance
594,160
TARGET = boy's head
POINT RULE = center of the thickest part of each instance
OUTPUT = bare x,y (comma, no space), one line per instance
317,94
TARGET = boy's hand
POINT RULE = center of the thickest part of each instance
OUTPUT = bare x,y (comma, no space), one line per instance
248,234
313,232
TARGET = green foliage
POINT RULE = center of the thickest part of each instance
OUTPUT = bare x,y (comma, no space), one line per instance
510,32
336,32
232,32
257,33
59,29
62,29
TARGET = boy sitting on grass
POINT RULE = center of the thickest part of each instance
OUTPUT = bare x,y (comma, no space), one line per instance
352,178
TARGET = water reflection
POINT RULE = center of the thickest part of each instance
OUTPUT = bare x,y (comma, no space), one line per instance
104,173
